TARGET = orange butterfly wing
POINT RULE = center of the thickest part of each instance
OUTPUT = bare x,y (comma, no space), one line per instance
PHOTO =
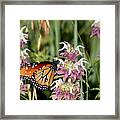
41,75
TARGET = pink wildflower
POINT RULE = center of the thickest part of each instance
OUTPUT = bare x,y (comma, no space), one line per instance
70,55
66,91
95,30
23,88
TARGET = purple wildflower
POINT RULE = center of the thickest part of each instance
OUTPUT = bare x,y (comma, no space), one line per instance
70,55
77,74
24,61
23,89
63,71
24,56
71,70
95,30
24,36
66,91
22,44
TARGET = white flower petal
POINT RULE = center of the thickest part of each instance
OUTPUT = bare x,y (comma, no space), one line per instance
57,83
23,28
64,46
82,61
78,49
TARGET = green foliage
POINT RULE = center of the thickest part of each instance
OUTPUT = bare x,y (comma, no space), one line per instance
24,97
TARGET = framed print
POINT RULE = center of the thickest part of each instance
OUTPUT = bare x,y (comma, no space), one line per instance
60,59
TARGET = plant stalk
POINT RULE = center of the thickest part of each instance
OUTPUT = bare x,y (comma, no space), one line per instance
75,34
57,35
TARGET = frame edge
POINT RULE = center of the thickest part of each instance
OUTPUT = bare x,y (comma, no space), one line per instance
2,63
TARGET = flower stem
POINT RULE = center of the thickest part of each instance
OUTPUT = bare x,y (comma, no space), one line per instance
81,90
86,87
75,44
86,70
52,48
39,42
75,34
57,35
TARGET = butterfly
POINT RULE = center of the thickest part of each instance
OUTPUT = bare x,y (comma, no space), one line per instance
41,75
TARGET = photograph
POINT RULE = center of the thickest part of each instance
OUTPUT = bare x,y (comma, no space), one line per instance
59,60
61,55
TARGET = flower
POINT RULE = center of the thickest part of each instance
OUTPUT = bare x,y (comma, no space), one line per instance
56,83
81,63
70,55
64,71
66,91
23,89
70,70
95,30
24,35
77,74
24,61
69,52
24,56
22,44
71,67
